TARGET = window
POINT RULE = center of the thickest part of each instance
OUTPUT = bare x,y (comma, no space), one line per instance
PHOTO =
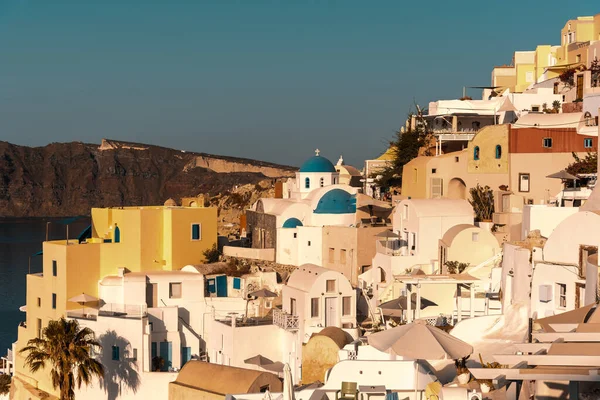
578,58
335,181
415,175
38,328
151,326
343,256
264,388
476,153
413,241
437,188
331,254
115,353
433,170
309,242
295,235
330,285
523,182
475,236
175,290
292,306
54,268
346,305
314,307
212,287
547,142
54,301
307,183
237,283
456,159
39,301
405,212
321,182
587,143
535,108
561,290
529,76
196,232
498,152
134,354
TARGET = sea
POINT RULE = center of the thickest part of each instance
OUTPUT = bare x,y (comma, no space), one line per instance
20,242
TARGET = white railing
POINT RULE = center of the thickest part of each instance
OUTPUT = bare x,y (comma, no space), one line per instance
285,320
123,310
392,247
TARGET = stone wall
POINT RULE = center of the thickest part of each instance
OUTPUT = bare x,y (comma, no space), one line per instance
572,107
262,229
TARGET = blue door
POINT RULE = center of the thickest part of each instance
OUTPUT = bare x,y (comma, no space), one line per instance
117,235
222,286
166,353
186,355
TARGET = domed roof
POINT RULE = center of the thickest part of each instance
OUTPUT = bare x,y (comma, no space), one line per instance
317,164
170,203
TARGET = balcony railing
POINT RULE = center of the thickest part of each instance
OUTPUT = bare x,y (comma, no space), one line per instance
123,310
285,320
394,247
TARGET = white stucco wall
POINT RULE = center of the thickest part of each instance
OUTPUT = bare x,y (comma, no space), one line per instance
310,245
582,228
544,218
549,276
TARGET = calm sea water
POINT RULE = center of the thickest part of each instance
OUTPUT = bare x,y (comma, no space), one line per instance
19,239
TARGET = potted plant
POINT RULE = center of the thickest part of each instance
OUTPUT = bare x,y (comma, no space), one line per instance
462,372
482,201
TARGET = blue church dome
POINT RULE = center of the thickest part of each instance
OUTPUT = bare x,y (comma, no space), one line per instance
292,223
336,201
317,164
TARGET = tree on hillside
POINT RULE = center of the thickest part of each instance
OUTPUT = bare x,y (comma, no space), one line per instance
586,165
405,146
65,347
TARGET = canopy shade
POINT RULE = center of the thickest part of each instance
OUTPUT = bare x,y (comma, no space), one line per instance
420,342
83,298
562,175
277,366
394,307
387,234
263,293
259,360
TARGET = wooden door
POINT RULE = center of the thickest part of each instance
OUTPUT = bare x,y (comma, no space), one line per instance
580,87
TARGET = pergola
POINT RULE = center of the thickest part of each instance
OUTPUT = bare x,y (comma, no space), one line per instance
460,280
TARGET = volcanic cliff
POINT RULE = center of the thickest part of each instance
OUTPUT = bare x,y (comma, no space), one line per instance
65,179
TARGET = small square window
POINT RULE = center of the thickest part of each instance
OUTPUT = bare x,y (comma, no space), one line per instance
587,143
475,236
54,301
433,170
456,159
330,285
175,290
196,232
115,353
535,108
54,268
547,143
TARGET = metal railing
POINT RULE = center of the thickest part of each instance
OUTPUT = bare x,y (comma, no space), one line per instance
89,314
392,247
285,320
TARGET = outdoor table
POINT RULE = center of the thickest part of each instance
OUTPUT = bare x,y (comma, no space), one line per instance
371,391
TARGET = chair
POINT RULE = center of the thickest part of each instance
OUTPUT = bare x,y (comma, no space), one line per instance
349,391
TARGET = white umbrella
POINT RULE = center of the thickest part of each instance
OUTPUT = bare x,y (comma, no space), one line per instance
82,299
288,384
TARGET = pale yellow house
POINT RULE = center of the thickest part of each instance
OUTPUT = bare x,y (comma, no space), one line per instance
152,238
524,62
573,34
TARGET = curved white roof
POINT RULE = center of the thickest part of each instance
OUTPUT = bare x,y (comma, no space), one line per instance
453,232
440,207
476,107
305,276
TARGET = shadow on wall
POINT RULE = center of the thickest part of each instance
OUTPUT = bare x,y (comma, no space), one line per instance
120,365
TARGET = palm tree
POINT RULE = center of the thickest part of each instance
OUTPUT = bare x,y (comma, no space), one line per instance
66,347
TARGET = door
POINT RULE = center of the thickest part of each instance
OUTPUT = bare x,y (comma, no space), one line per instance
222,286
186,355
330,311
152,295
580,87
166,353
579,294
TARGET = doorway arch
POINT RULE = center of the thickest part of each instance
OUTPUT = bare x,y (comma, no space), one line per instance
457,189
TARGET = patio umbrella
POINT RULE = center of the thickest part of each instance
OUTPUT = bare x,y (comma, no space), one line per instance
82,299
288,384
394,308
563,175
420,342
277,366
263,293
259,360
387,234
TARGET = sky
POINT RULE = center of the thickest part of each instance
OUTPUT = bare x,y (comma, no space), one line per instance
269,80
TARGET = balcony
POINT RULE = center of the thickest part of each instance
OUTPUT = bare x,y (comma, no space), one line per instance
133,311
395,247
285,320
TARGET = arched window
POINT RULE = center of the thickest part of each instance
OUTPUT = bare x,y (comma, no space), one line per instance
321,182
307,183
498,151
476,153
117,234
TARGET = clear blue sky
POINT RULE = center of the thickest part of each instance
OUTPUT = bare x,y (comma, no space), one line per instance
270,80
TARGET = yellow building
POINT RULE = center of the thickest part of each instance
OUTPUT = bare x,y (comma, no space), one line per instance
575,32
524,62
135,238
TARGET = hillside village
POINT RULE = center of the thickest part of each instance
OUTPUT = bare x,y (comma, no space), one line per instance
470,271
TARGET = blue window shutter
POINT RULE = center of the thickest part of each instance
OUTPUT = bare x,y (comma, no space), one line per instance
237,283
211,286
196,233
